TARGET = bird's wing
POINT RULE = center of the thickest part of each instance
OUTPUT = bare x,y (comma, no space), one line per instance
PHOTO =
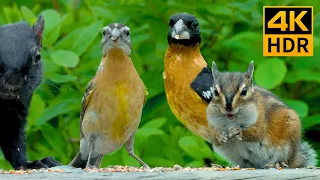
203,83
146,92
84,103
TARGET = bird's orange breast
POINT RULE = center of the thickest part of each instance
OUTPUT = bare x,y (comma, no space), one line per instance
181,66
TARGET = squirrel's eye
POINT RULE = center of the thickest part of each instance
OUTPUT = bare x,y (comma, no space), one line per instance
104,32
244,92
127,33
216,92
37,57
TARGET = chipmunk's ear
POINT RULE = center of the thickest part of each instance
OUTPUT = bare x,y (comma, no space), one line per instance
215,70
38,28
249,73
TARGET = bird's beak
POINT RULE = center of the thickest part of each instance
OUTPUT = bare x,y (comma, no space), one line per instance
115,34
180,31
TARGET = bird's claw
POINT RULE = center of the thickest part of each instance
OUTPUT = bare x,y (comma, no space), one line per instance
146,167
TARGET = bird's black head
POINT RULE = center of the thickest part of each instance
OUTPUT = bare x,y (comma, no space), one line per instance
184,29
20,59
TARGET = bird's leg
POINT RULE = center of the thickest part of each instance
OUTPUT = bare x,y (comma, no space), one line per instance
129,148
91,144
88,162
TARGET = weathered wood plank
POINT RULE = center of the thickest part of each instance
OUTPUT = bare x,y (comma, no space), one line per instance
178,175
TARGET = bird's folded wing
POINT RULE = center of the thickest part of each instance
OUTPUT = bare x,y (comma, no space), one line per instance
84,103
203,83
147,93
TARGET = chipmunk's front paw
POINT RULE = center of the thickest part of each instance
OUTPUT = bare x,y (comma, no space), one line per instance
276,165
235,131
222,137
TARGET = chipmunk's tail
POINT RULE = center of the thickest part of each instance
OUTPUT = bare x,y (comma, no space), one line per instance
308,155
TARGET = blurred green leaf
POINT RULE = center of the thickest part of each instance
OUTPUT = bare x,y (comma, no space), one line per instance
299,106
302,75
53,137
51,26
197,163
190,145
69,39
61,78
36,109
270,73
57,109
155,123
28,15
65,58
147,132
309,122
87,36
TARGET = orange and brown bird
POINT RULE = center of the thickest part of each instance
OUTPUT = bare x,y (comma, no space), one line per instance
113,102
186,76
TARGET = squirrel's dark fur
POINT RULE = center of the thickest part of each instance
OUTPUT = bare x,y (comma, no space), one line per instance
20,74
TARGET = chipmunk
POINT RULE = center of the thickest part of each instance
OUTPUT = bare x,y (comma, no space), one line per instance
254,128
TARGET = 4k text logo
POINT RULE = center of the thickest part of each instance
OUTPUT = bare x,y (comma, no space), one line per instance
288,31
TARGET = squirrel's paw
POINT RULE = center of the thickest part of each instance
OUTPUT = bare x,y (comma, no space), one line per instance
44,163
222,137
276,165
235,131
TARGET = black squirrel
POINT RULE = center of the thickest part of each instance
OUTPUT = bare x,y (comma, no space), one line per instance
20,74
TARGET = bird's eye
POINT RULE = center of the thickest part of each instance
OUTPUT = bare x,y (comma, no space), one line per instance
216,93
194,24
104,32
243,92
37,57
127,33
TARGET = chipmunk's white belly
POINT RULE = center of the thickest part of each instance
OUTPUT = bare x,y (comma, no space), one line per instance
252,154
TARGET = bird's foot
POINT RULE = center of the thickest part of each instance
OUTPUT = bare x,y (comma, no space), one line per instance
145,167
88,166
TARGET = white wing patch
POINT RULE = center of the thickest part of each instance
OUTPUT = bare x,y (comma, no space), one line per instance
207,94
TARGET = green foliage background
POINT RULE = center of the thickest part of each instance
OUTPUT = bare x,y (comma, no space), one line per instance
231,35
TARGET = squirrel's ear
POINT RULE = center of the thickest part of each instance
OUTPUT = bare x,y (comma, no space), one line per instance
38,28
215,70
249,72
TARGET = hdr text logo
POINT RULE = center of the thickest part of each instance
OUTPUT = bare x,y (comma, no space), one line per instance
288,31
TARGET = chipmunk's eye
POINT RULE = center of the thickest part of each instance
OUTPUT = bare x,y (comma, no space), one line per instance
244,92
